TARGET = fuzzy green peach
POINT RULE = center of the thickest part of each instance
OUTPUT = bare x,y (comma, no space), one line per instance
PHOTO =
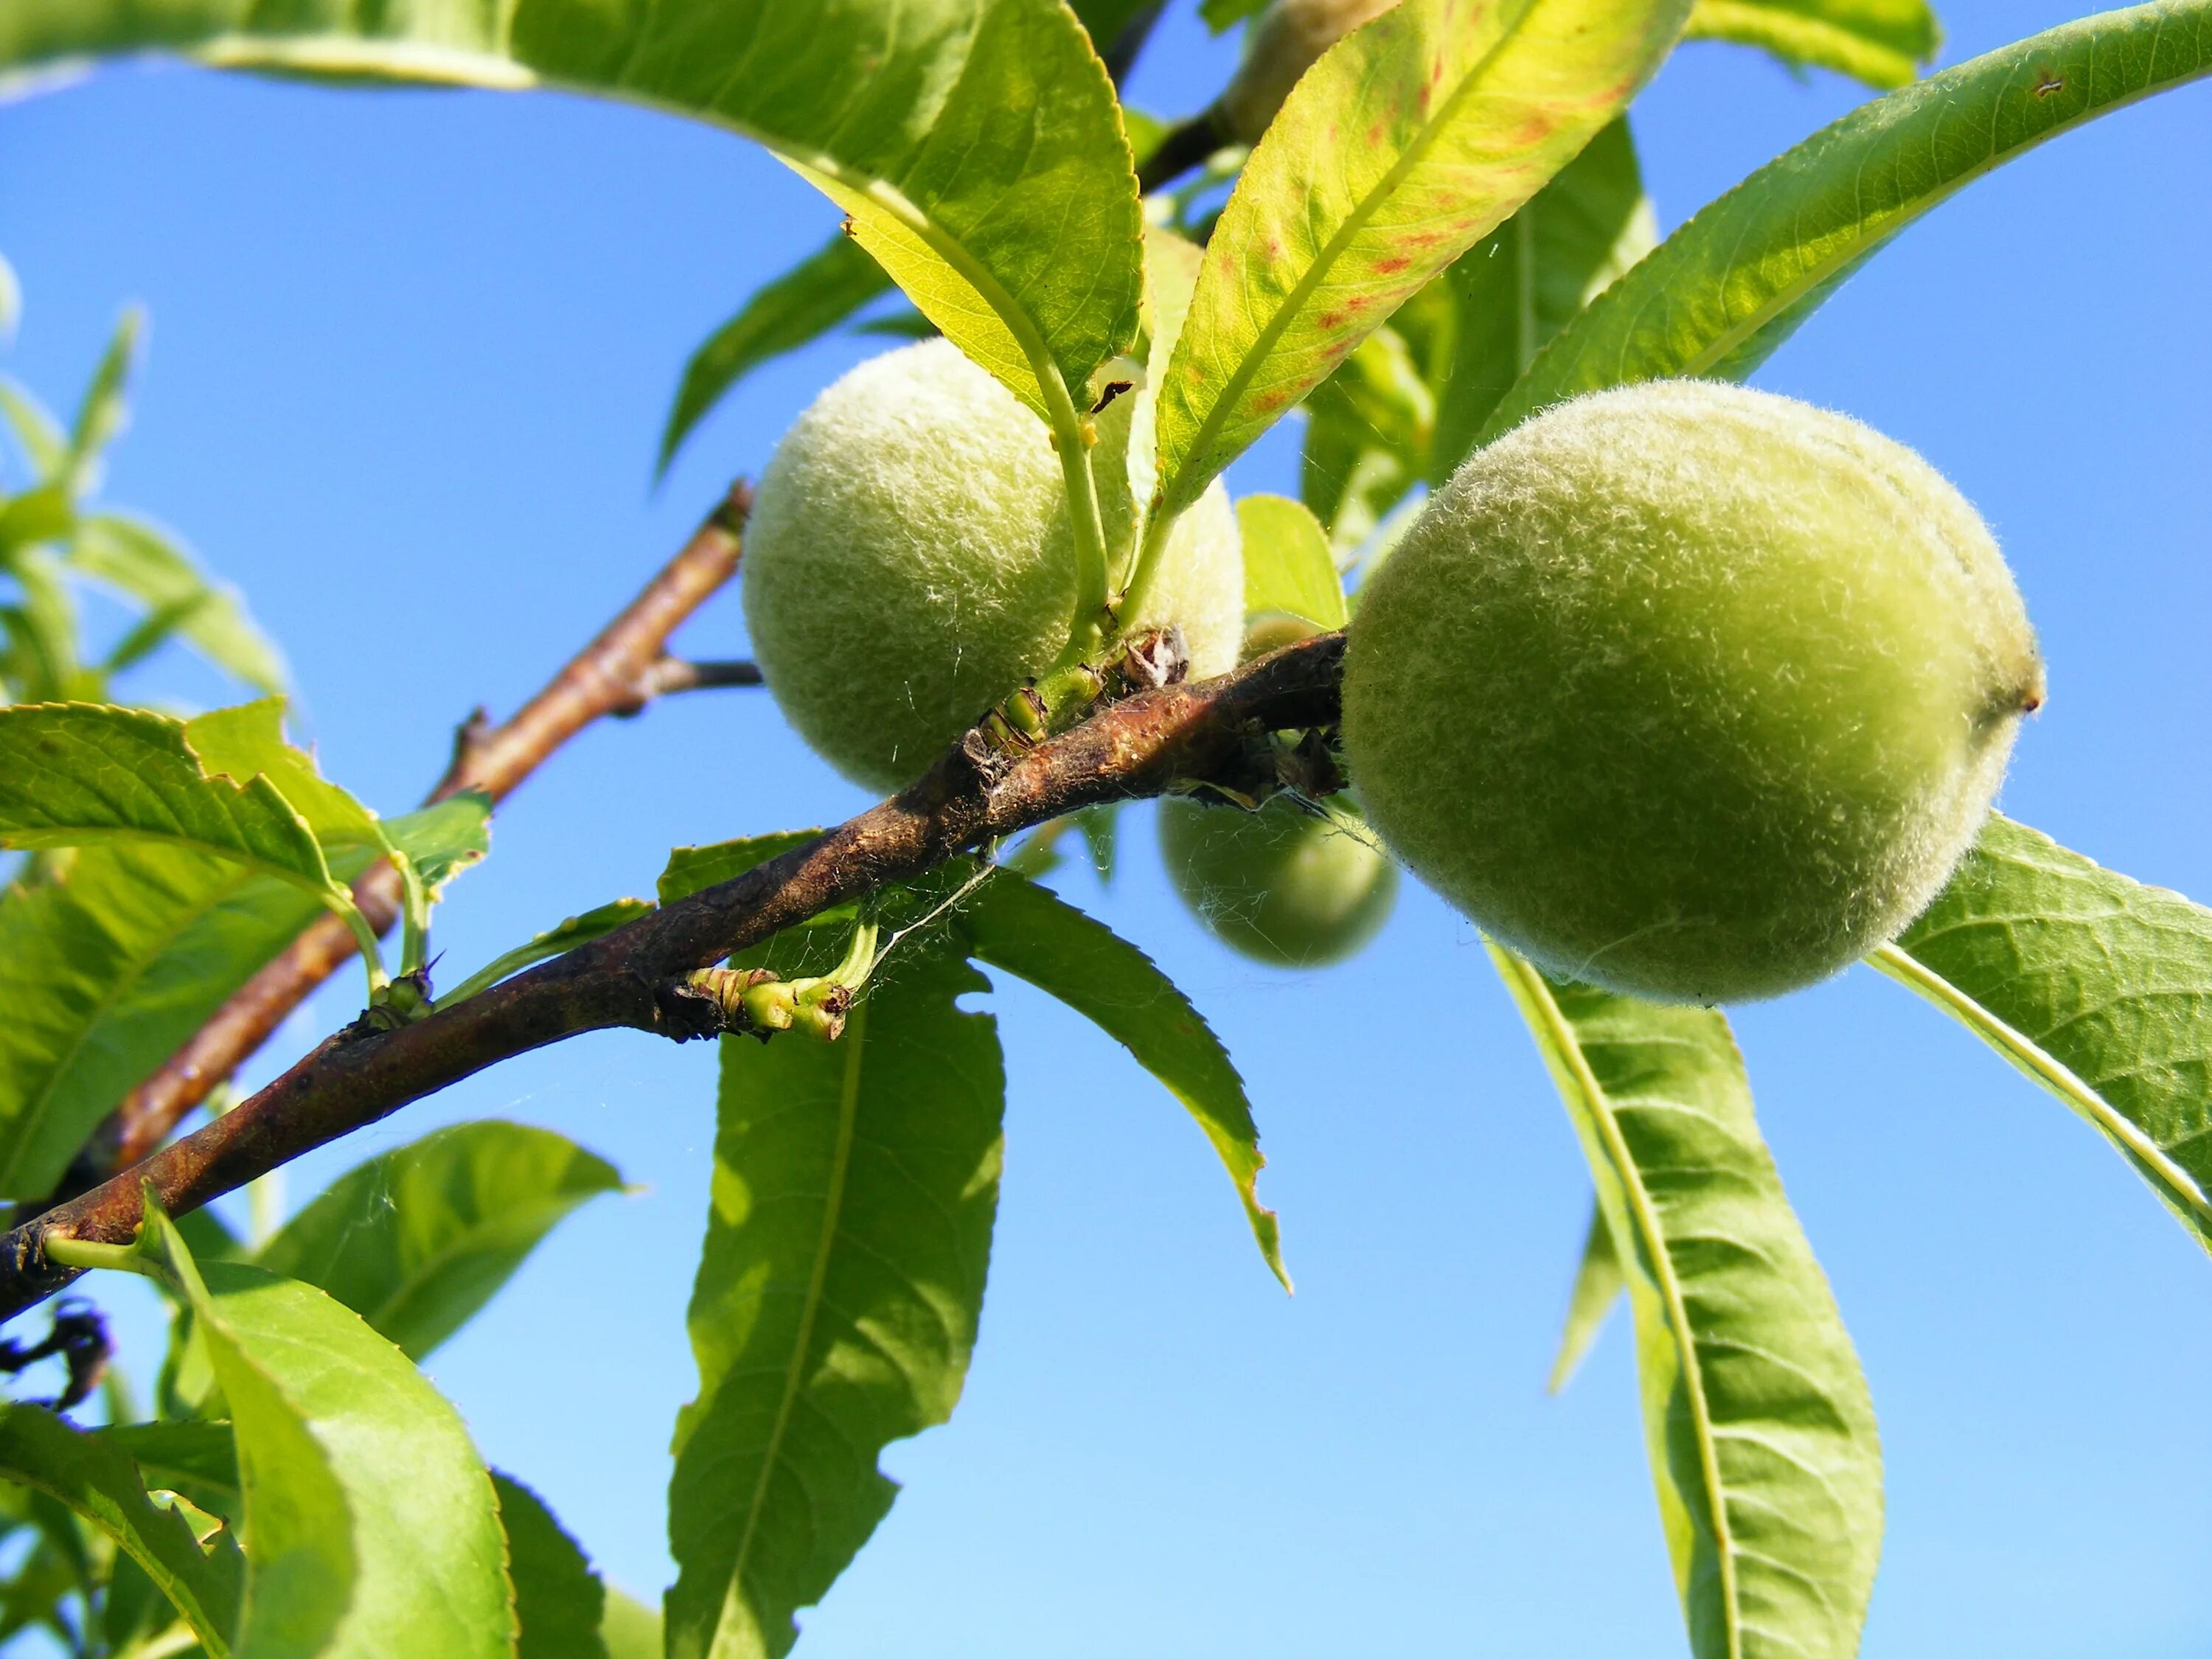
1282,885
909,563
1691,691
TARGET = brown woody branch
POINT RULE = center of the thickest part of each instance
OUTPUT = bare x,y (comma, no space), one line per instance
1210,732
617,674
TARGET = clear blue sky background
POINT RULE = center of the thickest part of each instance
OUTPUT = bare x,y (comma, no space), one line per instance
411,354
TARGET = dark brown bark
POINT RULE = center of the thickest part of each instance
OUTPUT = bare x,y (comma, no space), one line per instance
617,674
1212,730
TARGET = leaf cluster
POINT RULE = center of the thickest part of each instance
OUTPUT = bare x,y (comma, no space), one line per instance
1444,231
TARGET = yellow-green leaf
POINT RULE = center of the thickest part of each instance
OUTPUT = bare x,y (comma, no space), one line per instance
1408,143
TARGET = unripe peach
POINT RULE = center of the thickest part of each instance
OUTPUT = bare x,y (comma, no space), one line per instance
1691,691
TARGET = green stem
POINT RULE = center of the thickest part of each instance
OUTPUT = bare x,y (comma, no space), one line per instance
91,1253
415,913
364,936
1149,558
1071,438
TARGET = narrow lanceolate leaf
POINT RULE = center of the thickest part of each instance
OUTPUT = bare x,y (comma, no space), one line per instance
2097,987
1021,927
105,410
975,142
559,1601
804,303
1288,567
105,973
556,940
1760,1431
692,868
36,431
418,1240
98,1479
374,1524
1598,1285
836,1306
1730,286
147,564
1880,42
77,775
1532,276
1406,143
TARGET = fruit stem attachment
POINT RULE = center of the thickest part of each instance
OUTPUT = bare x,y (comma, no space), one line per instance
1150,557
1072,435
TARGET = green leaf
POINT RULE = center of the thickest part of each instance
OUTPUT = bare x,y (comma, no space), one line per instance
41,659
43,514
1103,20
375,1527
1598,1285
98,1480
418,1240
1288,567
1220,14
139,560
555,941
1529,279
2097,987
1100,826
445,838
559,1601
1880,42
630,1630
43,441
690,869
77,775
1761,1434
247,741
806,302
105,973
197,1460
903,324
104,411
1023,928
1725,290
853,1190
1408,143
976,147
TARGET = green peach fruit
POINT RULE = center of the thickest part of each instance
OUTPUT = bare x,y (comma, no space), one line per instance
1281,885
908,564
1691,691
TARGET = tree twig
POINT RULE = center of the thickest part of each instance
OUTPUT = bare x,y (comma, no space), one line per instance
1122,54
1187,144
1208,732
617,674
670,675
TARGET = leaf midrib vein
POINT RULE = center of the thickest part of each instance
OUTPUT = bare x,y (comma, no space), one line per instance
1294,303
848,1100
1670,1288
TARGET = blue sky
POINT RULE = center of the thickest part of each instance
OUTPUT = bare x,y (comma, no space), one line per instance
410,354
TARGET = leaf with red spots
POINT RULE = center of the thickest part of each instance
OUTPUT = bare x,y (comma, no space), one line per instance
1461,110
